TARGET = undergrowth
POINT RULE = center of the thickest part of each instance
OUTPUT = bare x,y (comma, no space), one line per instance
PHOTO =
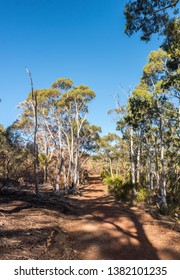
125,191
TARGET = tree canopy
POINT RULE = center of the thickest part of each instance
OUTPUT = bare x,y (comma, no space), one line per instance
149,16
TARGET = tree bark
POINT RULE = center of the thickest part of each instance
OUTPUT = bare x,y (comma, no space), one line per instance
163,202
150,173
138,162
35,107
132,158
157,166
110,165
57,187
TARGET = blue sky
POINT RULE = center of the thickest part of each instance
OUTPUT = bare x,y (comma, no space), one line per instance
79,39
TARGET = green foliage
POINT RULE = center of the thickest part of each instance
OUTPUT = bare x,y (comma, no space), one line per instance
118,188
113,151
105,173
124,190
171,45
149,17
141,195
63,83
44,94
89,137
80,95
153,119
44,159
64,138
156,63
16,160
155,16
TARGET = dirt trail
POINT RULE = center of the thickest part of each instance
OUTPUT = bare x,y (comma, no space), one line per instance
106,229
88,226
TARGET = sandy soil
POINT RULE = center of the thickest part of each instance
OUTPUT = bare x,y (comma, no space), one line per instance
91,225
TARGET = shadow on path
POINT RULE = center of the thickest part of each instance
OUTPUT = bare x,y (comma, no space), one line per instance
108,229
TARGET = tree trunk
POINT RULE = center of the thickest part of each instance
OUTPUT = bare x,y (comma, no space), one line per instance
150,173
36,162
35,107
57,187
76,166
46,166
157,166
132,158
110,165
163,202
138,162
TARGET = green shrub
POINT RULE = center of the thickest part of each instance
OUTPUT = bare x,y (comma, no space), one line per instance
105,174
117,187
141,195
124,191
108,181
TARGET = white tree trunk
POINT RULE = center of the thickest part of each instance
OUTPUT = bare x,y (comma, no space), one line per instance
150,173
132,157
138,162
57,187
111,169
163,202
157,166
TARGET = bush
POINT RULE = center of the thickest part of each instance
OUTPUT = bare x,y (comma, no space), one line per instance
105,174
141,195
118,188
124,191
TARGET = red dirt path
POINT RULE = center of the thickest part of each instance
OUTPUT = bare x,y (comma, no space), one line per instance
88,226
106,229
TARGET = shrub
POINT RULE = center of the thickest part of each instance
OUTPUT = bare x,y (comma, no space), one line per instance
105,174
141,195
124,191
118,188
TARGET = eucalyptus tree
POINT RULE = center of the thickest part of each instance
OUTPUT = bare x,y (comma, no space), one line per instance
25,123
62,126
171,45
74,102
154,74
151,110
139,110
114,155
149,124
161,17
48,141
89,142
128,133
149,17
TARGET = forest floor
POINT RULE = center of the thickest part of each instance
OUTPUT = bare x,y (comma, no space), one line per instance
89,226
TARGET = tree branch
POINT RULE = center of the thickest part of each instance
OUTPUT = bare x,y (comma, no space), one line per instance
165,8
